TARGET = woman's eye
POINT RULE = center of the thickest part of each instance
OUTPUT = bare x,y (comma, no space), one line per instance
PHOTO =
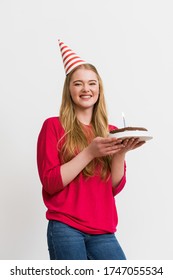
77,84
92,84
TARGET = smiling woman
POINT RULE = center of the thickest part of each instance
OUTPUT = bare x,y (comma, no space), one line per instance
81,169
83,104
84,90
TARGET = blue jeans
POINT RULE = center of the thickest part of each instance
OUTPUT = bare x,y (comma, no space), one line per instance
67,243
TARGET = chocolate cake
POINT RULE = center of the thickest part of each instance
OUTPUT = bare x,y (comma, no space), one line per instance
129,128
131,131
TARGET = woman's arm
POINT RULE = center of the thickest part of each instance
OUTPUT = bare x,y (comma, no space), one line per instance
71,169
97,148
117,168
54,175
118,159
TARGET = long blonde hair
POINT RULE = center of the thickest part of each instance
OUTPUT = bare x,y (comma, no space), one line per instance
75,136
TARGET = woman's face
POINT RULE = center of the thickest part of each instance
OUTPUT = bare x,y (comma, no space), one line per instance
84,88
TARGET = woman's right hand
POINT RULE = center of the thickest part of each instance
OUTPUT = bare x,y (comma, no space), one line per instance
100,146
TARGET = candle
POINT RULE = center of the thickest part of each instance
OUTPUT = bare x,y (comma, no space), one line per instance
124,121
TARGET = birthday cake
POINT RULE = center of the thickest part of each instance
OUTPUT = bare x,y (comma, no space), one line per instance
129,132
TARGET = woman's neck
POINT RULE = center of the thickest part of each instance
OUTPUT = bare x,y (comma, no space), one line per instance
84,116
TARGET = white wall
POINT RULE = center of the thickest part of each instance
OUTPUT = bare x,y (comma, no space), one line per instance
131,43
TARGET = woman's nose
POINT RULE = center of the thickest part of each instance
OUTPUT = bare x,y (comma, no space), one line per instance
86,88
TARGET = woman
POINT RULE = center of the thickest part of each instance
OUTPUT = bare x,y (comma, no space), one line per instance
81,170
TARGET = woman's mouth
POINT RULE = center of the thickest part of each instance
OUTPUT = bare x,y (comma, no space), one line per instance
85,96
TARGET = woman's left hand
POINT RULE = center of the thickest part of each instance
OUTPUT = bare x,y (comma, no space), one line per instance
131,144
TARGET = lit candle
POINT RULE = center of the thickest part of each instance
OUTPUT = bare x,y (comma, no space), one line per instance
124,121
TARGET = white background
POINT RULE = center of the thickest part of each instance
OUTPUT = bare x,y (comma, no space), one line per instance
131,43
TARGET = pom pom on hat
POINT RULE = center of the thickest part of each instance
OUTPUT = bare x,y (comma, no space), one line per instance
70,59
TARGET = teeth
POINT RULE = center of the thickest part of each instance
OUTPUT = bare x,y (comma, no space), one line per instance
85,96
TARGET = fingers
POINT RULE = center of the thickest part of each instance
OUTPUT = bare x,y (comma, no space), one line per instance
113,148
109,140
110,145
132,143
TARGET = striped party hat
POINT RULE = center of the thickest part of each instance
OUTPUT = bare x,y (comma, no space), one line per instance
69,57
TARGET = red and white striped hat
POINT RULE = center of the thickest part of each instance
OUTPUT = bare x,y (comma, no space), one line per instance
69,57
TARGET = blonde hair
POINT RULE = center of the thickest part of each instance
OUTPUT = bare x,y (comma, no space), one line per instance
75,136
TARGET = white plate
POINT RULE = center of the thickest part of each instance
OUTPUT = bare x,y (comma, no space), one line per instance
143,135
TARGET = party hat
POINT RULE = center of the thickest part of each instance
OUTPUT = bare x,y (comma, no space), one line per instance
69,57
